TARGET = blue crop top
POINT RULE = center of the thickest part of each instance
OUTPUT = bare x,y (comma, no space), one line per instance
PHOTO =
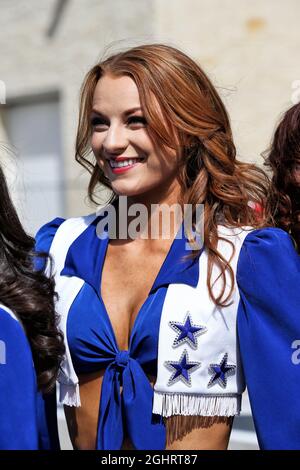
91,338
93,348
268,269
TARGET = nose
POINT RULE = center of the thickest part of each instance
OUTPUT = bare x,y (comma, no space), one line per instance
115,140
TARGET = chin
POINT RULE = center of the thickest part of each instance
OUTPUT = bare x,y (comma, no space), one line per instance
124,190
129,190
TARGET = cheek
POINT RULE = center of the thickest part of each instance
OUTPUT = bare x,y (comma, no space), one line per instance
96,142
96,145
167,163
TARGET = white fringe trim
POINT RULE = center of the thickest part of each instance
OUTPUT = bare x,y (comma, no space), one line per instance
69,395
169,404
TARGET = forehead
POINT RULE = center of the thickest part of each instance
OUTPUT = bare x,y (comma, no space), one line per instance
115,94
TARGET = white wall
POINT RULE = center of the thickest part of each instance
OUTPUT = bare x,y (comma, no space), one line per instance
249,49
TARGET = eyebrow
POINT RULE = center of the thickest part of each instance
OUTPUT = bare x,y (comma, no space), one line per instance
125,113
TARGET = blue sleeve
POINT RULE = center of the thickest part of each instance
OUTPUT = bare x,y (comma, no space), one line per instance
46,404
47,421
45,235
18,388
268,276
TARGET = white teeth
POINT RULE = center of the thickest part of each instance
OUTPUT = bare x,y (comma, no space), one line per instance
129,162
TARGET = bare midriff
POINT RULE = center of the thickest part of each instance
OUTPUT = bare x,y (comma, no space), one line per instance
208,433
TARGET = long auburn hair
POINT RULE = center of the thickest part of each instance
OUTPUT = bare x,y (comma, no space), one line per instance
281,158
25,289
195,118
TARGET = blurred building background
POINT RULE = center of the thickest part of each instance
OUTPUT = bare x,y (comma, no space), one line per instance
248,49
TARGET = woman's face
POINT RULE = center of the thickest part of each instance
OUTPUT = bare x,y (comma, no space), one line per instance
133,163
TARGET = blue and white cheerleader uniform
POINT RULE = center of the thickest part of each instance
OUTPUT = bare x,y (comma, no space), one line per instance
203,355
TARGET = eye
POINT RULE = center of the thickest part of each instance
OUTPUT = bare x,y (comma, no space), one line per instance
97,121
137,120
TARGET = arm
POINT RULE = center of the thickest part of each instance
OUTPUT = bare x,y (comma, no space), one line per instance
198,432
268,276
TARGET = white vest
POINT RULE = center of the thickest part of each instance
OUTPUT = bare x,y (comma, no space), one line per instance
200,392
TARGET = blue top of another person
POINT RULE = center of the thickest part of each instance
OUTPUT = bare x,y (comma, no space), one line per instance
27,418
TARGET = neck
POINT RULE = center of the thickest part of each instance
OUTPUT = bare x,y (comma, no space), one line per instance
159,218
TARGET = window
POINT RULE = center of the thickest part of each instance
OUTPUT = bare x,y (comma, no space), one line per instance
33,129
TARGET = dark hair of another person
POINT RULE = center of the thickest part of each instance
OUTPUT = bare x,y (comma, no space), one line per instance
28,292
282,157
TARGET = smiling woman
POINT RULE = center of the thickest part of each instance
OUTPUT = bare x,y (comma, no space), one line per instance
121,142
162,335
117,163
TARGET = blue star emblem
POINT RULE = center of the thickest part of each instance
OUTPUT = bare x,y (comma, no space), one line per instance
221,371
187,332
182,369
